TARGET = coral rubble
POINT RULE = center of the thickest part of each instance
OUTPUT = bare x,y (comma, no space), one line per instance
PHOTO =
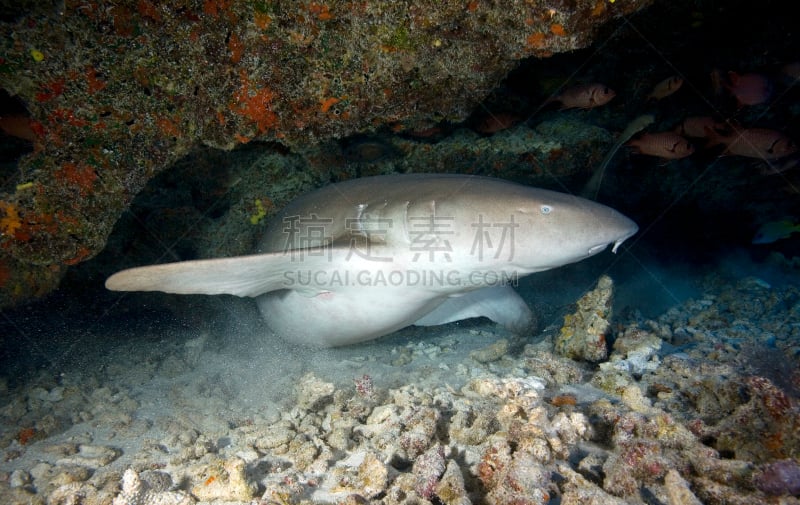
697,405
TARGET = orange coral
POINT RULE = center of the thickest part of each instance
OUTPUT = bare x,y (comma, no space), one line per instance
82,254
148,10
774,400
262,20
255,105
213,7
11,221
51,90
236,47
599,8
328,103
25,435
81,176
94,83
5,274
536,40
68,116
558,29
774,443
322,11
168,127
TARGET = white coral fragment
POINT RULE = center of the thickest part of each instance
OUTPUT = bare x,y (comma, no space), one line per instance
136,491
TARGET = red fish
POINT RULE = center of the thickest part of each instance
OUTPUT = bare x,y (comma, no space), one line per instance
749,89
494,123
667,145
760,143
666,87
585,96
18,126
695,126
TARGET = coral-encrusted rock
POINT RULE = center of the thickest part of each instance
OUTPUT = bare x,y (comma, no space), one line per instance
136,491
372,475
419,427
678,490
576,490
583,335
552,368
471,426
490,353
450,489
276,438
780,478
512,476
92,456
106,120
362,474
80,492
313,392
223,480
635,351
427,469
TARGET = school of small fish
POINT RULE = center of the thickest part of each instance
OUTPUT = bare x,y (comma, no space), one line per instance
695,132
735,92
746,89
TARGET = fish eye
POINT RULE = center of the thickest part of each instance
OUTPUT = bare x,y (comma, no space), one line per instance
546,209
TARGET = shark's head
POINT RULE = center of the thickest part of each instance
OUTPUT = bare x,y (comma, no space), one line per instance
557,229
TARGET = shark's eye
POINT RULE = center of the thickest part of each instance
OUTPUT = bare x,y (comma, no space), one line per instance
546,209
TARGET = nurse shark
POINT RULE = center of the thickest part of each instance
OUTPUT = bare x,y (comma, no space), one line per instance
356,260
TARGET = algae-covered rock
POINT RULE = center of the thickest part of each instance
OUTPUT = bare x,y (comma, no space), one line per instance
116,92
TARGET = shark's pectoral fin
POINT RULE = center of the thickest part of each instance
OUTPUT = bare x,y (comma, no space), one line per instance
501,304
241,276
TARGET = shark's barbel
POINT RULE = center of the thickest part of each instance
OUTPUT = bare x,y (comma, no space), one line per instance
360,259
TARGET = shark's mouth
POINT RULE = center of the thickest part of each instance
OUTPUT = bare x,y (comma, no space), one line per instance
623,239
602,247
